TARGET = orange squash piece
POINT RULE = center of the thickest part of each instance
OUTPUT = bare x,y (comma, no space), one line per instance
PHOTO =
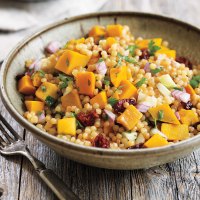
70,60
85,82
71,99
128,90
168,114
34,106
190,90
100,98
36,79
67,126
142,44
110,41
167,52
114,30
97,31
25,85
130,117
156,141
175,132
117,75
45,90
188,117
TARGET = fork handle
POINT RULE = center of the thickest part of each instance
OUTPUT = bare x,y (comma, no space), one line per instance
60,189
56,185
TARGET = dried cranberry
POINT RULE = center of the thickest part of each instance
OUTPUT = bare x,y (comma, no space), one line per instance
187,106
184,61
145,54
101,141
119,107
87,119
137,146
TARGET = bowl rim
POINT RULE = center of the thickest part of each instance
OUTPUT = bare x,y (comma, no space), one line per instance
66,144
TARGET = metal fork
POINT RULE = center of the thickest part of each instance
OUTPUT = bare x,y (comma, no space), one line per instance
12,144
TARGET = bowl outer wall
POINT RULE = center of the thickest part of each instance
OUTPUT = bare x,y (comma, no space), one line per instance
146,25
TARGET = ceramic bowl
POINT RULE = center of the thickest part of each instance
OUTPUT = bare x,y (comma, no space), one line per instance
181,36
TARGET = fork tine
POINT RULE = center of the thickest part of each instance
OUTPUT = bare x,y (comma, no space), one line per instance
5,134
12,131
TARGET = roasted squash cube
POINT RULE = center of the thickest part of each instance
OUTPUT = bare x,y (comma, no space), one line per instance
128,90
34,106
85,82
70,60
97,31
143,44
175,132
114,30
117,75
188,117
130,117
71,99
167,52
168,114
110,41
45,90
25,85
67,126
156,141
101,99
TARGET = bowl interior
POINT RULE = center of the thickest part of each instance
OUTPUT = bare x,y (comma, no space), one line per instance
183,38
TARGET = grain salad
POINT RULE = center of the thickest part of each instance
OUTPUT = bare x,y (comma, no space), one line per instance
112,90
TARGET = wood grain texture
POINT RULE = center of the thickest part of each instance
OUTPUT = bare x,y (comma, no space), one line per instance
10,167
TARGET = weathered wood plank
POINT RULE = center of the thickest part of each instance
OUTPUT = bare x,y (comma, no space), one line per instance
10,167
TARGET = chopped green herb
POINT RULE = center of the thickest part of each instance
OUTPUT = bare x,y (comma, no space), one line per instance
157,70
78,123
43,88
63,84
67,62
132,49
177,88
100,60
141,82
64,80
152,48
89,82
112,101
126,58
160,115
194,82
41,73
50,101
106,80
155,123
39,113
130,60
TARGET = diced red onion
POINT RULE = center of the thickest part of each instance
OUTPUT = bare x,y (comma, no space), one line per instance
101,68
41,118
53,47
36,65
177,115
110,114
181,96
147,67
143,107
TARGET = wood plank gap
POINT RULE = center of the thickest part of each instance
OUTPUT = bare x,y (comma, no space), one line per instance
21,166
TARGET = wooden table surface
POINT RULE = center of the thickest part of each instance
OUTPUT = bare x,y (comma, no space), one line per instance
177,180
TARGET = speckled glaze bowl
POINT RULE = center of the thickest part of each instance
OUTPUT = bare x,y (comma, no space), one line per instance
182,37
